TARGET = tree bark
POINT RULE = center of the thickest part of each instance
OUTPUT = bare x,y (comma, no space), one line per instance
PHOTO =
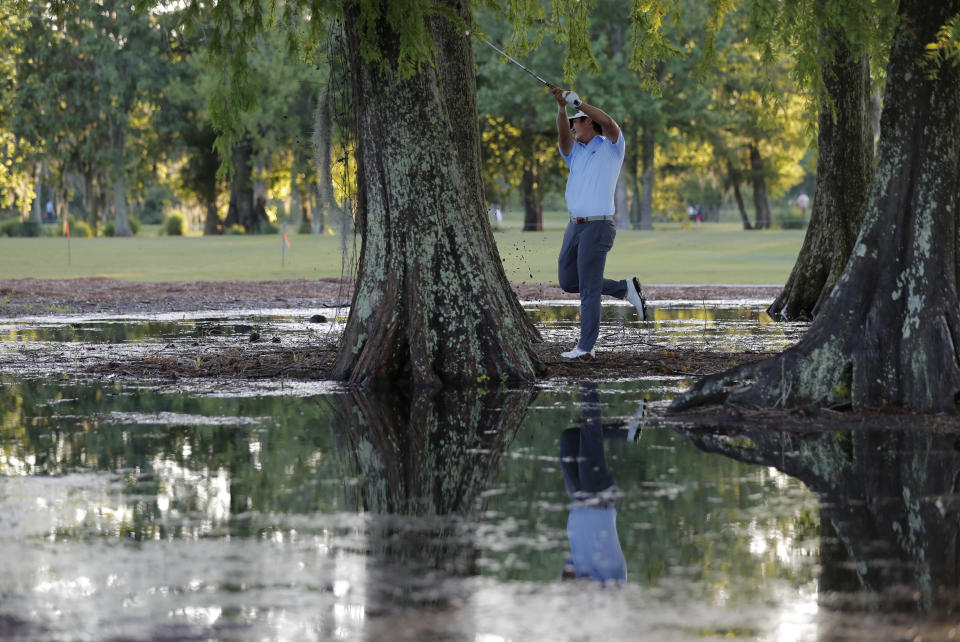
889,333
761,203
845,142
432,303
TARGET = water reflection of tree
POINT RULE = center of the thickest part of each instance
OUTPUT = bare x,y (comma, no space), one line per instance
890,524
423,459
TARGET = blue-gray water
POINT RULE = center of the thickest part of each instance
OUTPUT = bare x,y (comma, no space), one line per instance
143,511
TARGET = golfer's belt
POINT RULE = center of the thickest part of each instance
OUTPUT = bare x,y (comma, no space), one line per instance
586,219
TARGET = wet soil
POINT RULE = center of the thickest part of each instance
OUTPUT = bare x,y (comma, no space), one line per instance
255,358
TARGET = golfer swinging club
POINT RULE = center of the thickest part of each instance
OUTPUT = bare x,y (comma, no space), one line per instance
594,153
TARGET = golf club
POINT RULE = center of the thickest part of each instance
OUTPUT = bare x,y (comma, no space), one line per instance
571,97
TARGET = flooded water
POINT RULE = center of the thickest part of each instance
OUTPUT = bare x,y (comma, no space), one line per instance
140,511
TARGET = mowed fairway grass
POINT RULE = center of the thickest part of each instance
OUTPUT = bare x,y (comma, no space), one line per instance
671,253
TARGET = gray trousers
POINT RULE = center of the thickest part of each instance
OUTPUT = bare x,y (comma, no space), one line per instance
580,269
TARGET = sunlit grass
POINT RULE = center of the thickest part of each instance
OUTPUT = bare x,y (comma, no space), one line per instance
671,253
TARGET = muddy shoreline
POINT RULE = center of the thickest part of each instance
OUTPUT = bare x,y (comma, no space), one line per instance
37,297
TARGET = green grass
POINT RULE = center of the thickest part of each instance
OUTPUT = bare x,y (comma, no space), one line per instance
672,253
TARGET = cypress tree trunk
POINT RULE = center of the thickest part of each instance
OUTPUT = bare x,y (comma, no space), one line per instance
761,203
621,206
431,304
733,178
36,212
889,333
844,173
241,210
322,143
647,150
630,163
211,222
297,206
121,223
532,205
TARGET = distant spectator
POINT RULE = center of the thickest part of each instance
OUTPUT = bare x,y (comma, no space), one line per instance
698,213
49,215
497,214
803,202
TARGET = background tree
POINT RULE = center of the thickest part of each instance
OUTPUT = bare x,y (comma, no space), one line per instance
753,122
887,335
82,76
835,62
518,130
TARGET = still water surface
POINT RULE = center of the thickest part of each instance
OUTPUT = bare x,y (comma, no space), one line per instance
134,511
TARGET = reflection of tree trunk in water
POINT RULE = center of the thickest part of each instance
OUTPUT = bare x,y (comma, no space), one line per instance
889,496
426,456
432,453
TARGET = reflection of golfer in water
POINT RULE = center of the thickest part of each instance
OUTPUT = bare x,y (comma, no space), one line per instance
592,526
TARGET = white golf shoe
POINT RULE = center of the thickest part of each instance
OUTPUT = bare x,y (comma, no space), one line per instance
577,353
635,296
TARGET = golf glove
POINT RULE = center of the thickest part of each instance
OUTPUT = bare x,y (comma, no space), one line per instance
572,98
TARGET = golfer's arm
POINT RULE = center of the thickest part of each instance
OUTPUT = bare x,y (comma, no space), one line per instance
564,137
609,127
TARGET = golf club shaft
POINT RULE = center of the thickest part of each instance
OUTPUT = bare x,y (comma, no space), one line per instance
505,55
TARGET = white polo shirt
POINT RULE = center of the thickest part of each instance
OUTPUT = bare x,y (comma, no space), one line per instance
594,169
